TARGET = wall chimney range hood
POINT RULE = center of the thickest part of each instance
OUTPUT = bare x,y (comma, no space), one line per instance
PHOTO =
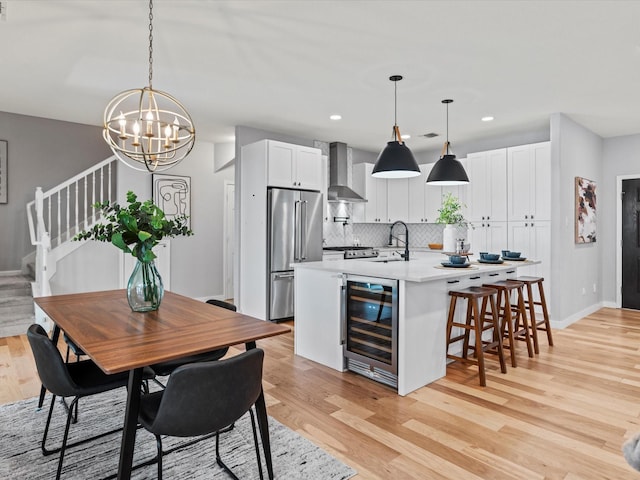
339,191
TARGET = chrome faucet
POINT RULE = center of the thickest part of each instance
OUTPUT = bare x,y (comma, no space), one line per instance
406,239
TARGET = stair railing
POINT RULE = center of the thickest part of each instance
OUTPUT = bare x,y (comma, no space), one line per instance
57,215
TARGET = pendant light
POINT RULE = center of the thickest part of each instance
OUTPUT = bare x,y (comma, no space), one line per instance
396,160
447,170
147,129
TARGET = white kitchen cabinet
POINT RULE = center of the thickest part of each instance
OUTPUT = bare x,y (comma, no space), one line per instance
488,236
529,176
374,190
533,241
424,200
318,332
487,190
293,166
398,199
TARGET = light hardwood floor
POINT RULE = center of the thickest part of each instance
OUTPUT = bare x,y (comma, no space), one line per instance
561,415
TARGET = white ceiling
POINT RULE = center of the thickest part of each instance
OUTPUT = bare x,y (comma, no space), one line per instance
287,65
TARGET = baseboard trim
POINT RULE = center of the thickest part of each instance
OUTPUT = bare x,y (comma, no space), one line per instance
610,305
564,323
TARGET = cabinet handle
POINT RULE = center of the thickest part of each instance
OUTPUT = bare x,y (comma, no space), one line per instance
483,224
474,278
482,218
494,274
488,225
487,217
511,271
532,224
531,217
526,216
453,281
526,224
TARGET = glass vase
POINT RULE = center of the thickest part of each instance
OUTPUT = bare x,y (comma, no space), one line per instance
145,289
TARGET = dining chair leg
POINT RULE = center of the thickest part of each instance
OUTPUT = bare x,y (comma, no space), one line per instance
65,437
159,446
255,443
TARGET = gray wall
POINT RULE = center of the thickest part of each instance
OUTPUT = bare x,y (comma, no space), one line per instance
41,153
575,151
621,156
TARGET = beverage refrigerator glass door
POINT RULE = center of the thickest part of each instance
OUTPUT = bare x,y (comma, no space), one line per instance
371,323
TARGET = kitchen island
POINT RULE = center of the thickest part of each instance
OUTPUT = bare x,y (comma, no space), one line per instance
422,286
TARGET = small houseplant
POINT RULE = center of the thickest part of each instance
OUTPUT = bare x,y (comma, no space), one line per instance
450,214
136,229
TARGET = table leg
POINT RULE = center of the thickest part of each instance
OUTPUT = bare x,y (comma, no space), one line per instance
130,423
263,423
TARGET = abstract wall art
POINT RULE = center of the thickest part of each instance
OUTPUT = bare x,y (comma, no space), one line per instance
172,193
585,198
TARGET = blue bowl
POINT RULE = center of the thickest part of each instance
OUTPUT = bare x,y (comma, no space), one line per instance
511,254
492,257
457,259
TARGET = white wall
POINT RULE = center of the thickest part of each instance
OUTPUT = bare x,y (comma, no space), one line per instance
196,261
575,151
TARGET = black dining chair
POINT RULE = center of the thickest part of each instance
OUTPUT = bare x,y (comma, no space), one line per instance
77,380
202,398
166,368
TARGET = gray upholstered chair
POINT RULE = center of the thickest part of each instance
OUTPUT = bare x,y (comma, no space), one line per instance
78,379
202,398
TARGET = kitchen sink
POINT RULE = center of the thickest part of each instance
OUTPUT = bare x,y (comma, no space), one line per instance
385,259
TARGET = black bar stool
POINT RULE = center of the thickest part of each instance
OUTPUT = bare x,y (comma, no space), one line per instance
512,315
477,322
535,324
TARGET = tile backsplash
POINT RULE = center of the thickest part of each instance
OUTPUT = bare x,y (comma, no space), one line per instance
340,233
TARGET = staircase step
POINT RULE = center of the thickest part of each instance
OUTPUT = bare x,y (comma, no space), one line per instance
16,305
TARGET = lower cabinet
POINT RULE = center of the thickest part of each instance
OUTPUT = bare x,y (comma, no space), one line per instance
318,330
533,240
488,237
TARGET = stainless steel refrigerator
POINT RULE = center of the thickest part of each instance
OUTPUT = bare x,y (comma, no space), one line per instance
294,235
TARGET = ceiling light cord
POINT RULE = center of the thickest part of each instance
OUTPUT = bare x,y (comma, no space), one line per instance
150,43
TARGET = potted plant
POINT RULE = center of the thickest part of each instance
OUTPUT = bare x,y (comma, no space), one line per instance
450,214
136,229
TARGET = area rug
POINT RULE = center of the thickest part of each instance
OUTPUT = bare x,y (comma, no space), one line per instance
22,424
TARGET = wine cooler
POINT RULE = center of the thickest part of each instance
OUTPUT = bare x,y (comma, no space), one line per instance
370,328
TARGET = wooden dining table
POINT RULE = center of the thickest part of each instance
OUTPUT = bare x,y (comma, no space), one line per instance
119,340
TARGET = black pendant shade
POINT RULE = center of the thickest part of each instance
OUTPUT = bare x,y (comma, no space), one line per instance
447,171
396,160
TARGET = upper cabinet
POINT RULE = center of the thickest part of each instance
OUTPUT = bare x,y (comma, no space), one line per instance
424,200
529,174
374,190
487,189
294,166
398,199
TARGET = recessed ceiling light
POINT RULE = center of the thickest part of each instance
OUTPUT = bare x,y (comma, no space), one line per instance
405,136
335,117
487,119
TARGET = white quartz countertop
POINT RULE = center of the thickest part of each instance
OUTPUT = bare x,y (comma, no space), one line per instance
415,270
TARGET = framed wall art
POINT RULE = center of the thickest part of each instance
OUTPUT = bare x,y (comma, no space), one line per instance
172,193
4,177
585,198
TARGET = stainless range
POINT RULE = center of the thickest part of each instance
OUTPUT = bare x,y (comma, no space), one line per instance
353,252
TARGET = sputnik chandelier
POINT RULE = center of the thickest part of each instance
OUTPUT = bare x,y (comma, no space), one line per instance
148,129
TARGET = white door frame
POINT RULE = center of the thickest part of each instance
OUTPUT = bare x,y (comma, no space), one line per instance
228,216
619,180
